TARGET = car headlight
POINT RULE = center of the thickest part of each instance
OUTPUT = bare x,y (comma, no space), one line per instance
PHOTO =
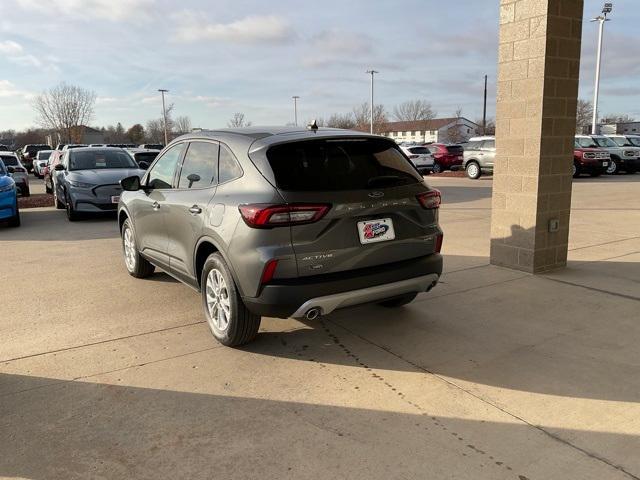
630,153
8,188
76,184
589,155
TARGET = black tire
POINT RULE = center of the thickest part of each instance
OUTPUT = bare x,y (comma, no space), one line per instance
437,168
140,267
399,301
15,220
47,188
242,325
72,215
26,192
613,168
473,169
576,170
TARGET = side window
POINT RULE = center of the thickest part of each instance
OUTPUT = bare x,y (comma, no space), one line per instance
199,166
161,174
489,145
229,168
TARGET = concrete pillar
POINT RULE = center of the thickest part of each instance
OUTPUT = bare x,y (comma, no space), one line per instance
539,63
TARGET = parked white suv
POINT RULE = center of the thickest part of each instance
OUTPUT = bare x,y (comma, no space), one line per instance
19,172
622,158
420,156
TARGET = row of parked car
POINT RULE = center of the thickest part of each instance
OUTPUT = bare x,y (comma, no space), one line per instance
593,155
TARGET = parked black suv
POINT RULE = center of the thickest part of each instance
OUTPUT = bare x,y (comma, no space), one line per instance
283,222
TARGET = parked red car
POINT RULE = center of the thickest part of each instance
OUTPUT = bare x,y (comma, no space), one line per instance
593,161
54,159
446,157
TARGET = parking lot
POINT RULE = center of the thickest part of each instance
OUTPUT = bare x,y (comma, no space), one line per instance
494,374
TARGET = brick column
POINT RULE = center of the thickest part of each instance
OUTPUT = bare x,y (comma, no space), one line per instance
539,62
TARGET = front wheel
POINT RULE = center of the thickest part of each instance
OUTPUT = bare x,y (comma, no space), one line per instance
56,200
612,168
575,171
72,215
15,220
473,170
399,301
137,266
26,192
229,320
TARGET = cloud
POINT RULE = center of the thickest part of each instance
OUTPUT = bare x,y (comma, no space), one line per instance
103,9
9,90
335,46
9,47
252,29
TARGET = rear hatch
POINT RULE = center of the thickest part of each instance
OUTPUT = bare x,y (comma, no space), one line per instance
375,217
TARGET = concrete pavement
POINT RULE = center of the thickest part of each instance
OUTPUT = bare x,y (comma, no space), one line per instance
495,374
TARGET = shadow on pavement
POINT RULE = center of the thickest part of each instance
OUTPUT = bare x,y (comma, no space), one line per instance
104,430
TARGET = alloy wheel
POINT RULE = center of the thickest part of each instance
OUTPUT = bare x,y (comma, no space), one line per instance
437,168
218,303
129,245
612,168
472,170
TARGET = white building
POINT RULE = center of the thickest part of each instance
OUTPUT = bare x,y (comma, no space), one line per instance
438,130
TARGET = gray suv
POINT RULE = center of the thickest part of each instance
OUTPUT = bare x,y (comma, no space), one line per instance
479,156
283,222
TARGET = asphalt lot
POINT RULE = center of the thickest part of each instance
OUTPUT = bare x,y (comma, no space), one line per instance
495,374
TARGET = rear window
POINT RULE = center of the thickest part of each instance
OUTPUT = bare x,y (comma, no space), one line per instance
340,164
9,161
419,150
148,157
43,155
475,145
489,144
455,149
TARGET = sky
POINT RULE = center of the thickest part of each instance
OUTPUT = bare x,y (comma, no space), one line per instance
219,57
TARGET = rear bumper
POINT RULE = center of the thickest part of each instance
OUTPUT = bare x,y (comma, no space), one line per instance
292,298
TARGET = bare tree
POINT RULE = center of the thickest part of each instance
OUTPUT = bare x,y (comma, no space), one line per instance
454,132
490,128
339,120
362,117
182,125
584,115
238,121
413,110
65,109
155,131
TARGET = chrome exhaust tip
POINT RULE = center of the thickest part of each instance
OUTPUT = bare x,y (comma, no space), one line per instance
312,313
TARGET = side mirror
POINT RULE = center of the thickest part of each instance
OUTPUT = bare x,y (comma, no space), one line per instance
143,165
59,167
11,170
130,184
193,178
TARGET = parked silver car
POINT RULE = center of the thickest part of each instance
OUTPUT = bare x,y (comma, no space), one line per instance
87,179
420,156
20,174
41,161
283,222
479,156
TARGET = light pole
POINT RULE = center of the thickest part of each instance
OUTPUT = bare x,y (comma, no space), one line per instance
295,109
164,116
372,73
484,108
600,19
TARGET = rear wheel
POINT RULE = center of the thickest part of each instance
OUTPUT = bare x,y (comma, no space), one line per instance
437,168
399,301
229,320
137,266
26,192
473,170
47,188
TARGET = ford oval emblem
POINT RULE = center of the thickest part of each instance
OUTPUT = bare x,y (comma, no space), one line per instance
376,194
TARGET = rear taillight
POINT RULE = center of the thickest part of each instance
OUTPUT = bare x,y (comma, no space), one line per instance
19,169
430,200
269,271
268,216
439,239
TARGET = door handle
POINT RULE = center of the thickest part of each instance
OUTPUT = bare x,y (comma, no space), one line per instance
195,210
156,206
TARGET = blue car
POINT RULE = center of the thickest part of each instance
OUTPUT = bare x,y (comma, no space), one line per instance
8,198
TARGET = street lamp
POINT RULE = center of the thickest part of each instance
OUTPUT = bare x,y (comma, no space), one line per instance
601,19
372,73
295,109
164,116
